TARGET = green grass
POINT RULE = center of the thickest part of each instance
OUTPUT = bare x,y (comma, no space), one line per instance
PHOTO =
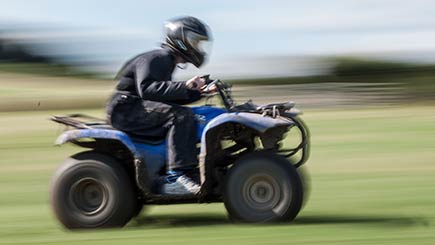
20,92
372,177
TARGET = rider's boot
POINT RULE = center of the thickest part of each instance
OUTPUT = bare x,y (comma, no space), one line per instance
179,183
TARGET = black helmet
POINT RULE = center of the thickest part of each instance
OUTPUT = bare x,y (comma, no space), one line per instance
187,36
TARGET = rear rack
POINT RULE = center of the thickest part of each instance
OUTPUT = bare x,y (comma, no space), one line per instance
81,121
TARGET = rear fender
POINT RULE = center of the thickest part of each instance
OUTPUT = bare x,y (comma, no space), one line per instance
148,159
109,134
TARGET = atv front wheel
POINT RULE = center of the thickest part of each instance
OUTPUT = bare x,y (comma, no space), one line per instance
263,187
92,190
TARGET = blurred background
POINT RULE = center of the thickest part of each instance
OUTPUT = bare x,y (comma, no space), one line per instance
362,71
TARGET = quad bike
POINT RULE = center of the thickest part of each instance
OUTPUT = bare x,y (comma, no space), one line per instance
243,162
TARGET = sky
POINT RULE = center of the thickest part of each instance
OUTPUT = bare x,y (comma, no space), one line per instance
243,30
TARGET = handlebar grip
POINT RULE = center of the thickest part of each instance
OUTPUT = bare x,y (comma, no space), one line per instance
206,77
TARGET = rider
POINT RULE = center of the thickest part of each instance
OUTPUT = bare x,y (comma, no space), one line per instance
148,103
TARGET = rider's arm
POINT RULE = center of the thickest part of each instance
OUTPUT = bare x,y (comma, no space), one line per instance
149,88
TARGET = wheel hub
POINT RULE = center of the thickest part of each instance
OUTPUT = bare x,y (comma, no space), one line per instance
261,191
88,195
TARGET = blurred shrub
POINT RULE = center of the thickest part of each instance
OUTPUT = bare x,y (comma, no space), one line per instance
12,52
16,57
356,67
417,80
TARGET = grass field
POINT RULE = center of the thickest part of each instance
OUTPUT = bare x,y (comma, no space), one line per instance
372,177
31,92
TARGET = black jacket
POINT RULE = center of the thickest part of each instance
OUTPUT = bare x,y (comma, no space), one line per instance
149,76
147,101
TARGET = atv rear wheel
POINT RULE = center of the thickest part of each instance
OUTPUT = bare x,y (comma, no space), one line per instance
92,190
263,187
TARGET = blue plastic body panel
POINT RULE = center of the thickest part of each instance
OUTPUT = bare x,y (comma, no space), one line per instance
97,133
204,114
155,156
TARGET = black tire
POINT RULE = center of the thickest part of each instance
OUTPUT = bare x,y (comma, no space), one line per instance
138,209
92,190
263,187
304,175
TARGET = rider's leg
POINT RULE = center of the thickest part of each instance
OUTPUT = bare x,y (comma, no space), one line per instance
182,153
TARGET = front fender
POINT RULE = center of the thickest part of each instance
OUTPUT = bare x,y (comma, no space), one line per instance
111,134
255,121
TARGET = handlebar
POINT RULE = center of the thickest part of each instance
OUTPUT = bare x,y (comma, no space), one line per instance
223,89
210,85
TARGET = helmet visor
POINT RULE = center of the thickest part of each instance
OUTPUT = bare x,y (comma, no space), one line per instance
201,44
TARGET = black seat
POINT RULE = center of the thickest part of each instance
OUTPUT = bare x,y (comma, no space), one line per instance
147,140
